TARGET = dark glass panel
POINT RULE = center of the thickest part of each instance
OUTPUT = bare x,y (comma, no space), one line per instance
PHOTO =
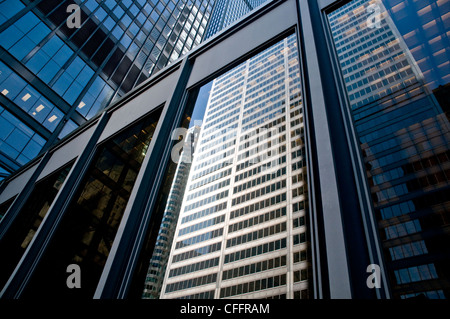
25,225
87,230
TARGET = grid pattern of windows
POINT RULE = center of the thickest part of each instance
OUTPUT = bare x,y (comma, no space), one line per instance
246,134
391,61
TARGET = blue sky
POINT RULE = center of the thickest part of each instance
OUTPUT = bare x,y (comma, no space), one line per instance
200,104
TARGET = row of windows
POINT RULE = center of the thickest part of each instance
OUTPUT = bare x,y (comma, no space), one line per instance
300,275
222,124
259,192
298,165
204,224
403,229
297,178
200,238
296,207
257,234
210,179
298,222
191,283
260,148
259,180
255,251
215,159
197,252
277,213
300,256
210,170
219,135
205,264
262,134
221,118
248,134
408,250
265,110
206,201
397,210
209,189
262,95
215,150
254,268
204,212
264,119
299,238
231,104
258,205
253,286
416,273
297,191
263,157
264,167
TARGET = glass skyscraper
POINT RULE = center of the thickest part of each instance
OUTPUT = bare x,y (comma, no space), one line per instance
241,230
403,131
55,76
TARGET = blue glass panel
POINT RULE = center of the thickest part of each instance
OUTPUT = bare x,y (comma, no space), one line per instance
53,119
27,98
39,59
40,110
22,48
9,8
12,86
27,22
53,45
73,92
10,36
75,67
18,139
85,75
49,71
38,33
61,85
67,129
63,55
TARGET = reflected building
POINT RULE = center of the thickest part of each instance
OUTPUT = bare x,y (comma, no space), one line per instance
158,261
242,231
404,136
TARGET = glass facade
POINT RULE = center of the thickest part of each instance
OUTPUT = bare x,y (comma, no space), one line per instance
19,236
242,214
88,228
394,59
118,45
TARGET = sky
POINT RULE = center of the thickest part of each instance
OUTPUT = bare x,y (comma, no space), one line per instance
200,104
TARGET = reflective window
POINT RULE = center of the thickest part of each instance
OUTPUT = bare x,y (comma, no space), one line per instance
394,58
88,228
17,140
23,228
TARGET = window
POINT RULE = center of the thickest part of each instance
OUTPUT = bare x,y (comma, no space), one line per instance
88,228
25,225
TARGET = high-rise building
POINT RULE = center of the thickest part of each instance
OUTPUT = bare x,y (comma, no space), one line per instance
322,169
55,76
241,228
158,261
226,12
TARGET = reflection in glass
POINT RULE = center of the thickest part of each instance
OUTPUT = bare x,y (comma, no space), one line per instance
393,57
87,230
25,225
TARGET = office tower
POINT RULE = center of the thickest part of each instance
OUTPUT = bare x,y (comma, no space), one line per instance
55,76
241,229
158,261
226,12
404,136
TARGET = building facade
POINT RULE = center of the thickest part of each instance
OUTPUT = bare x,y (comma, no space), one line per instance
363,143
158,261
241,229
56,74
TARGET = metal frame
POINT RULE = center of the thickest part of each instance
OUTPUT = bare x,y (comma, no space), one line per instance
342,229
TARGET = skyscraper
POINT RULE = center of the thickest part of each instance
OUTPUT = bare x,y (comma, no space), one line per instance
158,261
241,228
